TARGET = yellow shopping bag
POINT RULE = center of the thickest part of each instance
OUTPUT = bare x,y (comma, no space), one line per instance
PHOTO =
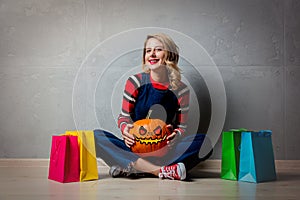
88,161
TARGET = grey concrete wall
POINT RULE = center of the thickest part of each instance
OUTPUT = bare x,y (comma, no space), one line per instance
254,43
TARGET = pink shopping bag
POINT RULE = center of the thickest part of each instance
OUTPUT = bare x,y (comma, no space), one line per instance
64,163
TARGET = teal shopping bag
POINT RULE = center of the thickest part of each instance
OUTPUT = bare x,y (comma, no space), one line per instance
231,154
257,157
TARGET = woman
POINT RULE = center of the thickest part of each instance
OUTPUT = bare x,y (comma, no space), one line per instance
159,84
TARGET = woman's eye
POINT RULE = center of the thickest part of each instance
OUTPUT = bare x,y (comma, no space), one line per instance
158,49
148,50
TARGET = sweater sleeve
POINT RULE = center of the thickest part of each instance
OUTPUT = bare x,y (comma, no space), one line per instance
182,112
128,102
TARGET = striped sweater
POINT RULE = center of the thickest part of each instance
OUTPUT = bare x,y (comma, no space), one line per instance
131,95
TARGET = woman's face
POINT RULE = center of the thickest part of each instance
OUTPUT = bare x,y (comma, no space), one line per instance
154,55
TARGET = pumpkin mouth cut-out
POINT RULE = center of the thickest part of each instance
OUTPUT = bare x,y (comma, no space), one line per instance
150,140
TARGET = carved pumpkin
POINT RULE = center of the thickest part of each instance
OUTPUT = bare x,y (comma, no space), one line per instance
150,137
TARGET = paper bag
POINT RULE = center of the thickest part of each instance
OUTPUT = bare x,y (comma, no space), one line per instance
231,154
64,159
257,157
88,161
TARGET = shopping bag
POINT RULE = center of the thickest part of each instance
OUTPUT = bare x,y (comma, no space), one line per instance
64,159
88,161
231,154
257,157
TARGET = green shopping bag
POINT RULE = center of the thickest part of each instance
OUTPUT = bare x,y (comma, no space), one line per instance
231,141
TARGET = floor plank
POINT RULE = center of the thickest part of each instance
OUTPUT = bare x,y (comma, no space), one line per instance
27,179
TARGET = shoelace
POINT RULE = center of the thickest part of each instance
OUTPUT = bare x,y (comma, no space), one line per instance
169,175
119,171
127,171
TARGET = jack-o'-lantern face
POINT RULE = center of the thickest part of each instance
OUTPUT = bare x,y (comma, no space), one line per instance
150,136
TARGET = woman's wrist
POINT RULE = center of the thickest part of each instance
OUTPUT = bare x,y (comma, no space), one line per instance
123,126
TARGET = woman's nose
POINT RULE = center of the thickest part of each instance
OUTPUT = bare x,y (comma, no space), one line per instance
153,53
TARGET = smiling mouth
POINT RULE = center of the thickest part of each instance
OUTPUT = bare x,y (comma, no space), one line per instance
149,140
153,61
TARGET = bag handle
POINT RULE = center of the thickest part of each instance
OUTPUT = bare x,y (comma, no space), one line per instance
264,133
238,130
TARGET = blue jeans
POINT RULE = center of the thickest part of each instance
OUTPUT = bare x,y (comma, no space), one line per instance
114,151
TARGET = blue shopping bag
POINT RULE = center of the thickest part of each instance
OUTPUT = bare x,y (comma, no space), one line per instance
257,157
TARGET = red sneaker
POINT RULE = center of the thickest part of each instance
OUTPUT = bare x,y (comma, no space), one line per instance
173,172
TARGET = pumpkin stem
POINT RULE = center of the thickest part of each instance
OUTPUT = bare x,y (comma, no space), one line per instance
149,114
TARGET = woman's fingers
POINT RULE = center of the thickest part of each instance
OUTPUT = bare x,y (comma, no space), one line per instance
126,132
128,138
128,141
171,136
171,139
169,128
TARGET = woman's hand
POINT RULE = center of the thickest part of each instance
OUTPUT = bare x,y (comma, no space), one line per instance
172,138
128,138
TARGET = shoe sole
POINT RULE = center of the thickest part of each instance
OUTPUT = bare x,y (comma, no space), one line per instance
182,171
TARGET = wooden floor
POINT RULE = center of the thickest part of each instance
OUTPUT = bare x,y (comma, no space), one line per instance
27,180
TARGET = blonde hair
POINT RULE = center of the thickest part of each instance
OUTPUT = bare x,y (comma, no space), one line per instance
171,58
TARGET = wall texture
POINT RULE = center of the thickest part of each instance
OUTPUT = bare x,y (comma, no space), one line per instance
254,43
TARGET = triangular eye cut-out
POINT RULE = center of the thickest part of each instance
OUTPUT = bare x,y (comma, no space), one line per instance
157,130
142,130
